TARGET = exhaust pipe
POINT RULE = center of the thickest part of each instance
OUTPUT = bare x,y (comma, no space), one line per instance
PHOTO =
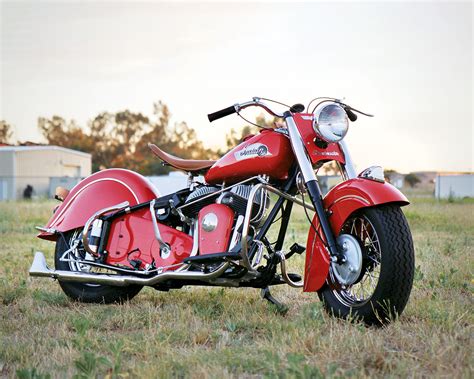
39,268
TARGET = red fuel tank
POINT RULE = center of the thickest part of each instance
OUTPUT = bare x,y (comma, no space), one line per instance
268,153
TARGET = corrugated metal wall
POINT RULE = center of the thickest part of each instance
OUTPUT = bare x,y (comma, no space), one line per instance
36,166
7,179
46,163
454,186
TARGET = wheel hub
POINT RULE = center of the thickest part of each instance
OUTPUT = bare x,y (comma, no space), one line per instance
348,271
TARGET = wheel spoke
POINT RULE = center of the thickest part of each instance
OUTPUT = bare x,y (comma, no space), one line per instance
373,259
353,228
78,253
361,292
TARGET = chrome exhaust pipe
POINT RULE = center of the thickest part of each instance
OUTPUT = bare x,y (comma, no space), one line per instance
39,268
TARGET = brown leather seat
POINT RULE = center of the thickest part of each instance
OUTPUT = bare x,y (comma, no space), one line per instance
189,165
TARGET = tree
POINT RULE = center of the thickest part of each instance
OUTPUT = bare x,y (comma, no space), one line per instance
158,134
412,179
5,131
121,139
234,137
331,168
389,174
58,131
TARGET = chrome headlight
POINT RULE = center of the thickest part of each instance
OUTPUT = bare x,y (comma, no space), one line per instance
330,121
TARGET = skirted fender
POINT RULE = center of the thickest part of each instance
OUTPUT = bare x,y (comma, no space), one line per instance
340,203
100,190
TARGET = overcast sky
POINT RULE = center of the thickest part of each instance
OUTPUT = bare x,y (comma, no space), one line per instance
409,63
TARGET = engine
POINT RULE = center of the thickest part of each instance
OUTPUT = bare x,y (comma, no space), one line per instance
220,215
198,199
236,198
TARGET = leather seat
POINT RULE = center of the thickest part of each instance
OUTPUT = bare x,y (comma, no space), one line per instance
189,165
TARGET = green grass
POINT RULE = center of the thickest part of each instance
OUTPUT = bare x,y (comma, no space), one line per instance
217,333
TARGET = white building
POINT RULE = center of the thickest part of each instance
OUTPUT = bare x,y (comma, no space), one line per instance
40,167
396,179
454,186
327,182
174,181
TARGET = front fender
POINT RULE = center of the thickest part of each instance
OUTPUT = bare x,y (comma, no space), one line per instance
100,190
340,203
351,195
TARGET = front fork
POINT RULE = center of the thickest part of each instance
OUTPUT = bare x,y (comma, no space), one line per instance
312,184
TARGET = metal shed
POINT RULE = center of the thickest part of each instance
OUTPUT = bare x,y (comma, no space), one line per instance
39,167
454,186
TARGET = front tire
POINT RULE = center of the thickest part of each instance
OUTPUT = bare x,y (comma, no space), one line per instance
382,290
85,292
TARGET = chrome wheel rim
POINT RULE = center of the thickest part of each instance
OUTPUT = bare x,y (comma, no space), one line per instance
78,253
360,292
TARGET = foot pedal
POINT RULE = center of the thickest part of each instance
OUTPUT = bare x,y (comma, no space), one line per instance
213,258
296,248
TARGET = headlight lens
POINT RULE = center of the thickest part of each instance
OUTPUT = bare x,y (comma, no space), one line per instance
331,122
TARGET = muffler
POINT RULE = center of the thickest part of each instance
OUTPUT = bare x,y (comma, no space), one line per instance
40,268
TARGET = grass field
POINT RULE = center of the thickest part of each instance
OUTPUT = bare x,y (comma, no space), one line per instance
220,333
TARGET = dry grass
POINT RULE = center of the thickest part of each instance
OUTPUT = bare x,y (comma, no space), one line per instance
216,333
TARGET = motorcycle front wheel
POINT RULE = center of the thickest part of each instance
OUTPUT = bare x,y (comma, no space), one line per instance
86,292
380,292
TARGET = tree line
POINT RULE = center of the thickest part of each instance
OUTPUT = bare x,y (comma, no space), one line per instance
121,139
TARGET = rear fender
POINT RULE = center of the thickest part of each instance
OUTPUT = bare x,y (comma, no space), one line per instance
100,190
340,203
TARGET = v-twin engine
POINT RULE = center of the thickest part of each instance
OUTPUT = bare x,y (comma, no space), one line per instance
236,198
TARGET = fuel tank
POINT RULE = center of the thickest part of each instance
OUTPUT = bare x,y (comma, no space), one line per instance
267,153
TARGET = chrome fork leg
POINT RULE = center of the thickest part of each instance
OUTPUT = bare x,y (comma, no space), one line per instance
311,182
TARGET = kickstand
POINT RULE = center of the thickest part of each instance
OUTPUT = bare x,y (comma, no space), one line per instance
280,307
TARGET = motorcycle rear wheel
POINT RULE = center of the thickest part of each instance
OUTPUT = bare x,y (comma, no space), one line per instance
382,290
87,292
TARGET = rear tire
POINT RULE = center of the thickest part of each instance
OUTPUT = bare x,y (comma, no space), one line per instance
387,272
85,292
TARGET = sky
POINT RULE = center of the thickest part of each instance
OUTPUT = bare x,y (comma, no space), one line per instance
409,63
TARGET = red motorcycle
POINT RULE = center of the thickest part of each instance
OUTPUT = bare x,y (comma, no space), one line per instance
114,234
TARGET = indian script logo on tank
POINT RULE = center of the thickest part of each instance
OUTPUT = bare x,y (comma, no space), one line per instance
252,151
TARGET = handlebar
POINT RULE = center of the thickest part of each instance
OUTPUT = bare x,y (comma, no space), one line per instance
257,102
222,113
352,116
236,108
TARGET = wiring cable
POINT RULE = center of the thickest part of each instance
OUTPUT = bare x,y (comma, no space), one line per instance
312,225
261,126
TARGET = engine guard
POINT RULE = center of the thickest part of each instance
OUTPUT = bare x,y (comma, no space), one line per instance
340,203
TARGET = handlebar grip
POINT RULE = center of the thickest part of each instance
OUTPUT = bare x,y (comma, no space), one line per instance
352,116
222,113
